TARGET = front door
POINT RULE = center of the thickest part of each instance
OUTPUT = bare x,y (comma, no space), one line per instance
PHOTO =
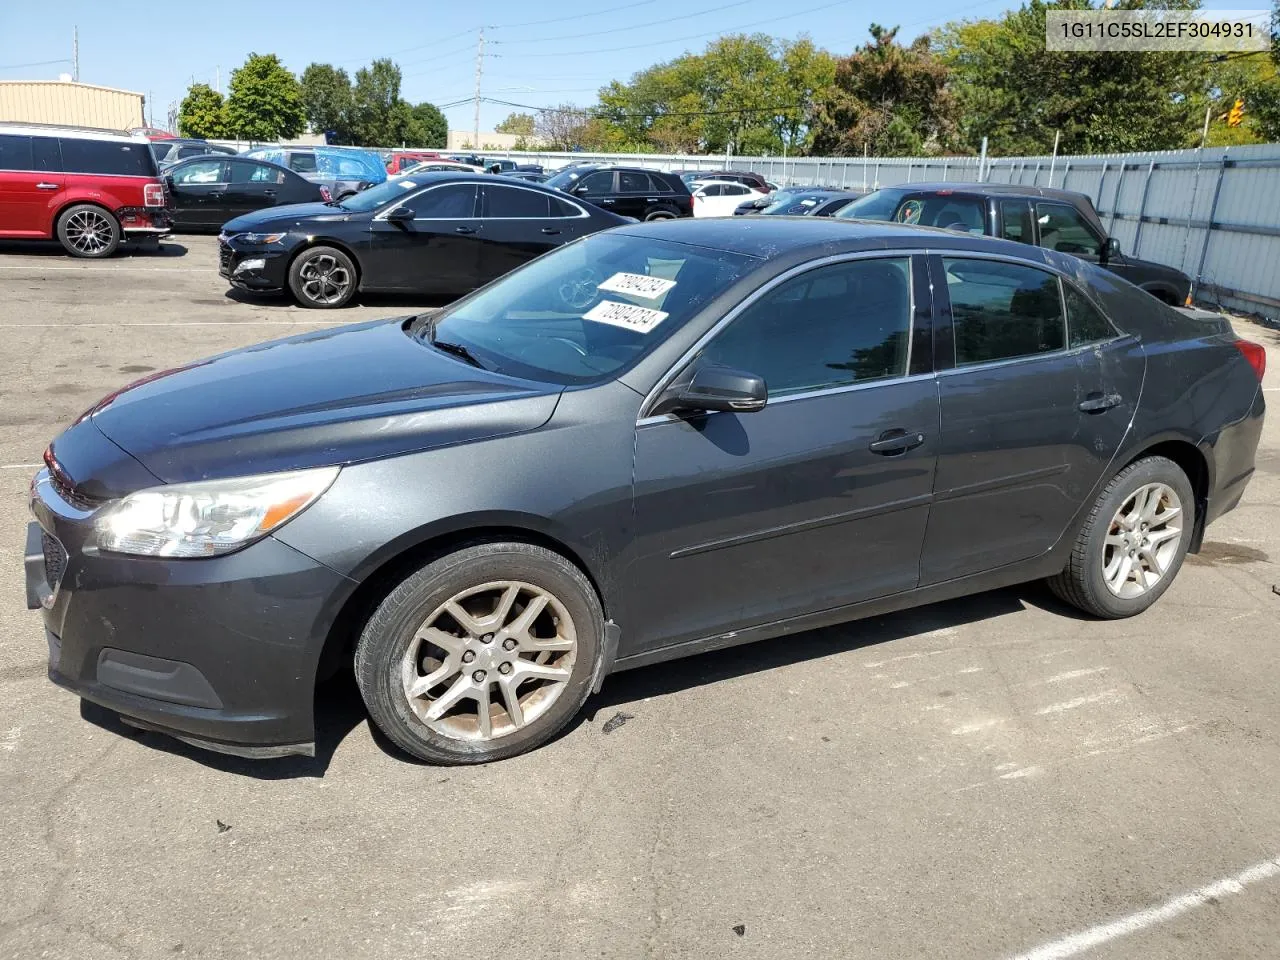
30,181
1021,446
818,500
438,251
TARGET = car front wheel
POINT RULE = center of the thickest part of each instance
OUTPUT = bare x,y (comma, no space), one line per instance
481,655
88,231
1133,542
323,277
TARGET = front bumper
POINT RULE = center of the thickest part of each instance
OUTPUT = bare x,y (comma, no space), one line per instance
260,268
221,652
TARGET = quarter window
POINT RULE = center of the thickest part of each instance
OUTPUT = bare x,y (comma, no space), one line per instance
513,203
1063,229
1003,310
563,208
1085,323
452,202
202,171
658,185
831,327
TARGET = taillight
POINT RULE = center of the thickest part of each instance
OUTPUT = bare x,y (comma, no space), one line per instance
153,195
325,194
1256,354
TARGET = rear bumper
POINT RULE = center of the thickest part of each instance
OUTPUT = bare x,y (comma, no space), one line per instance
1234,451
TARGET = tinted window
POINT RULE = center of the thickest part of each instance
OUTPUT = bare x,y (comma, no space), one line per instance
302,162
1015,221
515,203
184,152
255,173
1062,228
45,154
830,327
598,184
965,214
658,185
107,157
629,182
1003,310
15,153
735,190
200,171
713,190
452,202
1085,323
562,208
879,205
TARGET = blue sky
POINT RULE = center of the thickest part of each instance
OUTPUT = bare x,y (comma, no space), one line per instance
157,49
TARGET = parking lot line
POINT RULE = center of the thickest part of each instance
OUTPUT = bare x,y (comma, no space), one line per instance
1077,943
183,323
18,466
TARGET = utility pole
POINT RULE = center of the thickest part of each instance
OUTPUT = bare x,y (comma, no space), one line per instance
475,136
75,54
217,78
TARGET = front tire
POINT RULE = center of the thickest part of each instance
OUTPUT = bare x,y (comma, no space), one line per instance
323,278
88,231
1133,542
481,655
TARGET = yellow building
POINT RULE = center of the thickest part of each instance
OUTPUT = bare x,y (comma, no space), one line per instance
73,104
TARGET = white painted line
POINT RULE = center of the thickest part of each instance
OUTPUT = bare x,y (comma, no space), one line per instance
1071,675
975,727
1270,389
42,268
177,323
1077,702
19,466
1076,943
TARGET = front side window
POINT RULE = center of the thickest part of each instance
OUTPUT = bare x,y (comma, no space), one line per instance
831,327
598,184
455,201
1085,323
107,157
879,205
512,203
200,172
1063,229
1001,311
15,153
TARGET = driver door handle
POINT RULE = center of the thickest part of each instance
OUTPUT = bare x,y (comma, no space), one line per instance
464,229
1099,403
550,231
895,442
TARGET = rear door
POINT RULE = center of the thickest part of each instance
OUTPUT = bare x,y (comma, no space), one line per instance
252,186
520,223
439,251
30,183
635,194
199,194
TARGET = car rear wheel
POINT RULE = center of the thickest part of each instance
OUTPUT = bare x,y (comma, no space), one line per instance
1132,543
88,231
481,655
323,277
661,215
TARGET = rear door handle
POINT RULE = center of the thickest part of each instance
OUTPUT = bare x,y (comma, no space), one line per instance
464,229
604,201
1098,403
550,231
894,442
46,186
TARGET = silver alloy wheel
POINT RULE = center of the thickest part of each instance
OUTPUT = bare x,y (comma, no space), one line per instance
506,634
88,231
324,280
1142,540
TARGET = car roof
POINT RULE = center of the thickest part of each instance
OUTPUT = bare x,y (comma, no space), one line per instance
59,130
449,176
993,189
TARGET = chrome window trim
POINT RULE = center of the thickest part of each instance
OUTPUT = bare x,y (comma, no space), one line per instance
678,367
419,191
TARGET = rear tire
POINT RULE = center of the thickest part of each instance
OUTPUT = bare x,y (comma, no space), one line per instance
88,231
1132,543
323,278
660,215
443,655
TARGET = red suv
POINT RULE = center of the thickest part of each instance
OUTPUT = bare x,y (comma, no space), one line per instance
88,189
404,159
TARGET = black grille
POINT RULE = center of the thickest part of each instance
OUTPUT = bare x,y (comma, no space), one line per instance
224,258
55,560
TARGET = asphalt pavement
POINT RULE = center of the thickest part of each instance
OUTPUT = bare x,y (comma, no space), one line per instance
993,777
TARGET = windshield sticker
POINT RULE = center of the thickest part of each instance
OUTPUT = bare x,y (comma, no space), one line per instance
407,184
637,285
625,315
807,203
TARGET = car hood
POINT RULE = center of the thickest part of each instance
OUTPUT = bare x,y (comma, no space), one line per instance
335,396
286,215
1156,271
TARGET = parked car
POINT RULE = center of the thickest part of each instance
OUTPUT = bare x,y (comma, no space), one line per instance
439,166
88,189
152,133
627,191
401,160
719,198
468,158
752,180
169,152
504,165
206,192
1061,220
436,233
345,171
818,202
530,175
770,429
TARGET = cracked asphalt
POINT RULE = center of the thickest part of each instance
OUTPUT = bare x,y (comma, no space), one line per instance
975,779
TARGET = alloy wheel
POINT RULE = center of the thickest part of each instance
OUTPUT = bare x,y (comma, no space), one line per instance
489,661
89,232
324,279
1142,541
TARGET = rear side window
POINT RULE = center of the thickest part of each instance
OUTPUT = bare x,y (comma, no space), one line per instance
1015,221
1003,310
107,157
45,154
513,203
964,214
15,153
629,182
1085,323
713,190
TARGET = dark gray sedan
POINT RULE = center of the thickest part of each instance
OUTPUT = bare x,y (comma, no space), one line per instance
658,440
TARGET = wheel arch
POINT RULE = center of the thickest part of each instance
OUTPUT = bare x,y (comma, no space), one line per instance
312,242
1163,292
68,204
1193,462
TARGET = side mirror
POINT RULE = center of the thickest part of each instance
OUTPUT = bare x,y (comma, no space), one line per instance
580,190
1110,249
400,214
715,389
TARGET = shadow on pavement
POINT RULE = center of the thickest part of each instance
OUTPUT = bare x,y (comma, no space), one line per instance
130,250
393,303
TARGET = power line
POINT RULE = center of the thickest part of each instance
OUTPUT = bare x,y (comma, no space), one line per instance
579,16
629,27
40,63
596,112
432,43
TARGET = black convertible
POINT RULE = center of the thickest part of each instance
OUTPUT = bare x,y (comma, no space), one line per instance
442,234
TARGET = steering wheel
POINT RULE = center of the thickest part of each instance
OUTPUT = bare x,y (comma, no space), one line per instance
580,291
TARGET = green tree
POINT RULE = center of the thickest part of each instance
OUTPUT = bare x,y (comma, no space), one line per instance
1011,90
327,100
265,101
203,113
427,127
1253,79
381,118
520,124
808,75
890,99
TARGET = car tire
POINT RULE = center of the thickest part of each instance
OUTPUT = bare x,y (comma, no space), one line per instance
660,215
1133,511
323,278
345,194
88,231
494,586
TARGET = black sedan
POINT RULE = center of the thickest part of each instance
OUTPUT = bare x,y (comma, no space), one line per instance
664,439
206,192
817,202
442,234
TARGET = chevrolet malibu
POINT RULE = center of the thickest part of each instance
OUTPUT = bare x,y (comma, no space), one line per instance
657,440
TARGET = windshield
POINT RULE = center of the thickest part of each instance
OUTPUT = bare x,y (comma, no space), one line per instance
588,309
374,197
793,203
566,177
874,206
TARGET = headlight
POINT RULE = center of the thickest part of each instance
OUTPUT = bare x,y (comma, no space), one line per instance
208,518
262,237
